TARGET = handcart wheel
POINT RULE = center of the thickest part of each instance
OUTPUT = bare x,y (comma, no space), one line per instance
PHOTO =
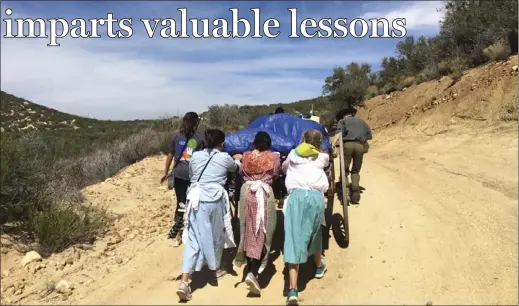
329,203
344,228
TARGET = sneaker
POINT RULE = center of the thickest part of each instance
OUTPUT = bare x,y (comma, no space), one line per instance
172,233
355,194
253,284
319,273
220,273
177,241
292,297
181,207
184,291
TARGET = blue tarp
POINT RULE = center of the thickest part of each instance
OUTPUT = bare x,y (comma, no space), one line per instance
285,130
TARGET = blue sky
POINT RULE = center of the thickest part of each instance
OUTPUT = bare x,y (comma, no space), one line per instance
141,77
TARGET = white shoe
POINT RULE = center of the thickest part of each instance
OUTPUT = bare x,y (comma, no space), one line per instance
253,284
184,291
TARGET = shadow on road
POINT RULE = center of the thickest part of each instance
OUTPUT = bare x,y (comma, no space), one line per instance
338,188
339,231
275,251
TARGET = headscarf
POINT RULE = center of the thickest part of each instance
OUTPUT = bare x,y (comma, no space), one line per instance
307,150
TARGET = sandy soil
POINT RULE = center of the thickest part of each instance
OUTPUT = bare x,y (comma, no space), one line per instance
437,221
432,226
426,229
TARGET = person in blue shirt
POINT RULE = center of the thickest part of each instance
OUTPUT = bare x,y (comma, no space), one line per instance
208,228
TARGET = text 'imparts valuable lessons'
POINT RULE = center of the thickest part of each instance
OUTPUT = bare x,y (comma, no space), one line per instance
233,26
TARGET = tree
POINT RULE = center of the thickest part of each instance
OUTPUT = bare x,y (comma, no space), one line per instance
335,81
226,117
469,26
350,81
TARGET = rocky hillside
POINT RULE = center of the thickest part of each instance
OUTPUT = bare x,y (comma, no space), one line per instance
20,115
486,95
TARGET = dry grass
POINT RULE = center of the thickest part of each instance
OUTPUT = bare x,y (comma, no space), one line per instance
499,51
509,111
40,195
372,91
406,82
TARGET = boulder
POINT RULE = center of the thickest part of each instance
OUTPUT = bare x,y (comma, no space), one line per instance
30,257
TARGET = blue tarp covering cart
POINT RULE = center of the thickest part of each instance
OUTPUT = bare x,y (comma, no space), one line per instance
285,130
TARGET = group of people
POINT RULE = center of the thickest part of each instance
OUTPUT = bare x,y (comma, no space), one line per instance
202,219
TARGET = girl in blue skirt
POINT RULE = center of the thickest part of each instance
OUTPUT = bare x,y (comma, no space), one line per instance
306,184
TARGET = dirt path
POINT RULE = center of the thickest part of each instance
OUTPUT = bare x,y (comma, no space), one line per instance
420,233
437,222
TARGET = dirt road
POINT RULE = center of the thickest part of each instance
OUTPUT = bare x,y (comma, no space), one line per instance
428,229
437,222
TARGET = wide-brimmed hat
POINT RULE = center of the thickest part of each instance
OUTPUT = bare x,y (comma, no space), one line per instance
350,110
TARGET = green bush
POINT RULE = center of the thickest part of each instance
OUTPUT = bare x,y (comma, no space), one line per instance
499,51
42,175
372,91
429,73
405,82
24,183
61,225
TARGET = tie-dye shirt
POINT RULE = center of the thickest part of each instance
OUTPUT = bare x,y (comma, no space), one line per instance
178,141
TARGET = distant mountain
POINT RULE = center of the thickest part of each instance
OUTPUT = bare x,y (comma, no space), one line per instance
20,115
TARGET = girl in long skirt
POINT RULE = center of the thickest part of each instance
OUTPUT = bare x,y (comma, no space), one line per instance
257,209
208,230
306,184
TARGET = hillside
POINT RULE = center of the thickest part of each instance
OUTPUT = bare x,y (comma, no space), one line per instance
486,94
48,156
20,116
69,133
389,109
437,222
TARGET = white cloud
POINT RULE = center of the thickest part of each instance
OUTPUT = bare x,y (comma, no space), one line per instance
417,14
149,78
116,84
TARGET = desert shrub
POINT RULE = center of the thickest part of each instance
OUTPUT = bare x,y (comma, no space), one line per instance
61,225
452,66
388,88
372,91
42,175
405,82
429,73
31,198
499,51
108,160
225,117
456,74
23,180
509,111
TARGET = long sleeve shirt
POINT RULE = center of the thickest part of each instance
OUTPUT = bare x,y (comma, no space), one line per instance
354,129
216,171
